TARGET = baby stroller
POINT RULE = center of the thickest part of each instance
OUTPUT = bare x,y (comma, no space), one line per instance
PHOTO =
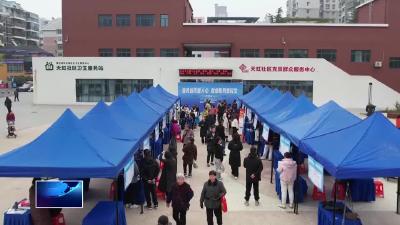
11,129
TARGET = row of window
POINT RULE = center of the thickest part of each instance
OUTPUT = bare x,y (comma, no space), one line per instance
328,54
124,20
140,52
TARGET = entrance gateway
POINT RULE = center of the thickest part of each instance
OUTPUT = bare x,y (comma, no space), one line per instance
86,80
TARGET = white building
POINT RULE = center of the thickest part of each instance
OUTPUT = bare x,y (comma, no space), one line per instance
314,9
88,80
51,37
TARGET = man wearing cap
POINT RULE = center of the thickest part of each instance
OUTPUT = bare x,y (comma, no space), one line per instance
213,191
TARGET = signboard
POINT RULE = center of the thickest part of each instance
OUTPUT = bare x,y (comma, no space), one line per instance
272,69
265,133
128,173
284,145
205,72
316,173
72,66
197,93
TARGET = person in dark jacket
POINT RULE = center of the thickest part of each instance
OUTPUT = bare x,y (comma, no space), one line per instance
180,197
203,129
173,147
189,156
219,158
220,130
149,171
211,141
16,95
8,104
254,167
168,174
235,146
211,195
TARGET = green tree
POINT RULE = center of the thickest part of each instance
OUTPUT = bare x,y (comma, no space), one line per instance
279,17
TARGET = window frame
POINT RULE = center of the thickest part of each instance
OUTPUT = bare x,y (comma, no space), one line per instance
163,20
103,53
122,52
394,62
169,52
139,21
244,53
364,58
274,53
290,53
124,24
100,22
141,52
324,52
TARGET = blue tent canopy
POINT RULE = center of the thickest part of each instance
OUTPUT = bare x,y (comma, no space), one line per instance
152,97
327,118
101,119
259,95
370,148
68,150
166,93
155,93
138,102
156,107
276,103
255,91
265,101
132,118
298,107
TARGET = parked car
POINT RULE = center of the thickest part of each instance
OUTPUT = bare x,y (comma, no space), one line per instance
25,87
31,89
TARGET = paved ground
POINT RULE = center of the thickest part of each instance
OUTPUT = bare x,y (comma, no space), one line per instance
32,120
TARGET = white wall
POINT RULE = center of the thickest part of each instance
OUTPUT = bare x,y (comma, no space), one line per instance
330,82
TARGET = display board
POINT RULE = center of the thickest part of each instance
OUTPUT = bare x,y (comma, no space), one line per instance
265,133
128,173
192,93
316,173
284,145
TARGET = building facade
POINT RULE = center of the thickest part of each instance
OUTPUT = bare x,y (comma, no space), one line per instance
162,29
18,27
303,9
348,10
51,37
86,80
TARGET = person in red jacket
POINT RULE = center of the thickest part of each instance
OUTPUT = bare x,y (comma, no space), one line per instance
10,117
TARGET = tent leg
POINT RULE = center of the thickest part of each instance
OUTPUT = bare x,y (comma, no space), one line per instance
272,164
398,196
297,187
334,204
116,201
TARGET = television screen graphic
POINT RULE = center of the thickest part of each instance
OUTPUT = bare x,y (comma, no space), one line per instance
59,194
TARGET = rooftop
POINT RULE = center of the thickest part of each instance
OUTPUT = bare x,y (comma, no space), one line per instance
238,19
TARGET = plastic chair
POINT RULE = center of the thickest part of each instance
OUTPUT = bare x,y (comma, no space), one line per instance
317,195
340,191
58,220
379,189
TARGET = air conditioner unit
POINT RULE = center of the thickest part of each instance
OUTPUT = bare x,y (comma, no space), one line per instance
378,64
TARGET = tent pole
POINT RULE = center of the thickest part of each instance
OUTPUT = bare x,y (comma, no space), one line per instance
334,204
116,200
272,164
398,196
297,186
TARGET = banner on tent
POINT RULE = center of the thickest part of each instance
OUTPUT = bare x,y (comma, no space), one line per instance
157,132
255,121
146,143
316,173
128,173
284,145
192,93
265,133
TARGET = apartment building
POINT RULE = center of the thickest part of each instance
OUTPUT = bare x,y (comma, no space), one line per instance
51,37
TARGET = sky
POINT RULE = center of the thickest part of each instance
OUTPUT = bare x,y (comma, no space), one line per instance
258,8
